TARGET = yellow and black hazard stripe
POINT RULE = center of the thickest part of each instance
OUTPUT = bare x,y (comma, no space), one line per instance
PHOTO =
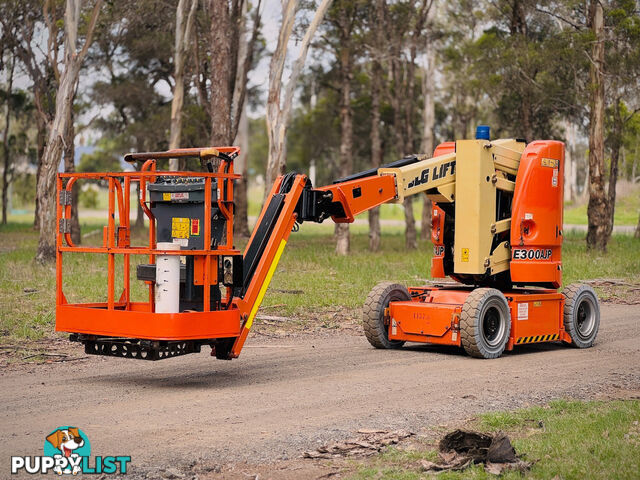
537,338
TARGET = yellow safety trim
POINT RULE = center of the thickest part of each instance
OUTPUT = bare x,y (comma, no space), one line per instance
265,285
537,338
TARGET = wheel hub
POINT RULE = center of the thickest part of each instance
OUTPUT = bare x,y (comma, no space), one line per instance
492,326
585,318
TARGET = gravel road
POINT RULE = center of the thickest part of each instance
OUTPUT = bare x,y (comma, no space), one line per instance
286,395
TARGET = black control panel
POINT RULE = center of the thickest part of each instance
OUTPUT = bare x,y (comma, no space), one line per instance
178,205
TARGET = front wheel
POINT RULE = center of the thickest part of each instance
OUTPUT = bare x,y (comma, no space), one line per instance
485,323
375,328
581,314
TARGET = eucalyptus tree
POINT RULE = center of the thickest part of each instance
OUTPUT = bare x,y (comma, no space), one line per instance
407,22
23,24
280,96
74,54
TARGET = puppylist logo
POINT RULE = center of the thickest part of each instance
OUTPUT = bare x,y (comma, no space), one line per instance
67,451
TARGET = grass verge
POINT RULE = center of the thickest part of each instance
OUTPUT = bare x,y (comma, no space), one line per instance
626,212
565,439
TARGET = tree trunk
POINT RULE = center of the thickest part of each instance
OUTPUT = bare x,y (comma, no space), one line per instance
276,124
525,112
570,163
184,25
41,139
5,174
277,110
397,103
377,84
411,234
240,121
376,148
220,101
403,74
428,123
634,165
616,145
637,233
45,189
139,225
5,143
69,167
140,215
346,127
241,220
597,208
244,53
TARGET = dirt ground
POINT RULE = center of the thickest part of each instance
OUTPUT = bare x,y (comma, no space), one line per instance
253,417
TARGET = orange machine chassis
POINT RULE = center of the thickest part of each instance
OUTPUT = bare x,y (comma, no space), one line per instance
433,316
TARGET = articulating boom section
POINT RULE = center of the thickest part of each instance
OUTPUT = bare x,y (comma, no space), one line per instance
476,186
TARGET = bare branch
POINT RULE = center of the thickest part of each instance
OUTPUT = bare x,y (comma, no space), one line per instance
280,54
304,48
559,17
244,71
92,25
52,41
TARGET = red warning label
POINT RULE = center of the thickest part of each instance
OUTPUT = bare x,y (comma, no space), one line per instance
195,226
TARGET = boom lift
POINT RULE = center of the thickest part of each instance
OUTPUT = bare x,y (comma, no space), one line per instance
496,231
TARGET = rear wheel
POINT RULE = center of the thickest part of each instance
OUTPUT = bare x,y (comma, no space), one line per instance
375,329
485,323
581,314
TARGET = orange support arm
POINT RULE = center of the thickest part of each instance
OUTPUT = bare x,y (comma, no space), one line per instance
268,262
357,196
341,201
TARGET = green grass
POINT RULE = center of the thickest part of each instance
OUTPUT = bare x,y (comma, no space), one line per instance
310,280
310,264
565,440
626,212
621,261
27,289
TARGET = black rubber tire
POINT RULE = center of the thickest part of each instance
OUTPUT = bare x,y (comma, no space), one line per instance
381,295
581,314
485,323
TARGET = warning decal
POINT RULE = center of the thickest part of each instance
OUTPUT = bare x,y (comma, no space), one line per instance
195,227
465,254
168,197
180,227
523,311
180,196
537,338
